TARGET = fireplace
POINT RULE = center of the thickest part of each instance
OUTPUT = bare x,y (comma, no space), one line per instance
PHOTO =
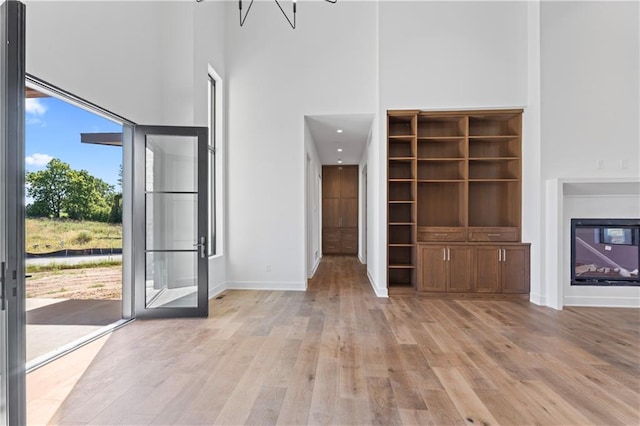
605,252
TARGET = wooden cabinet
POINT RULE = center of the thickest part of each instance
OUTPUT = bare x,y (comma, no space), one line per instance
445,268
340,209
454,178
502,269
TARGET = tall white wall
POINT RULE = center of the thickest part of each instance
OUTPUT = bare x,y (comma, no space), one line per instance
590,131
313,182
277,76
590,89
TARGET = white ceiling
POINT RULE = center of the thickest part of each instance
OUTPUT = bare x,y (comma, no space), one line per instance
353,139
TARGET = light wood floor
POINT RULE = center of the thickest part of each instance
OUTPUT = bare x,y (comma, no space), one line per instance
336,354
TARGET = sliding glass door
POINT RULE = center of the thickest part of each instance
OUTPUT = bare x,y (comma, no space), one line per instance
12,312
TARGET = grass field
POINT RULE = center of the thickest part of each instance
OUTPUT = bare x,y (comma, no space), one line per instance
46,235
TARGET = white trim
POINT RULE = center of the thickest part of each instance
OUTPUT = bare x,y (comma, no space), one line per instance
267,285
380,292
602,302
315,267
216,290
537,299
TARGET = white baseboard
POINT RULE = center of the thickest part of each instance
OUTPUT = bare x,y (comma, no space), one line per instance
216,290
602,302
266,285
315,268
538,299
380,292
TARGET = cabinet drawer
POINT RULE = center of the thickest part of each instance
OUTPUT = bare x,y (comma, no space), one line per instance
349,247
493,234
441,234
329,247
330,235
350,235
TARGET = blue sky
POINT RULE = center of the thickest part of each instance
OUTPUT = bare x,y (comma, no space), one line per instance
53,130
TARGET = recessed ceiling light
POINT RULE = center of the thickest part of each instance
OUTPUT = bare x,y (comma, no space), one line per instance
339,130
339,161
339,149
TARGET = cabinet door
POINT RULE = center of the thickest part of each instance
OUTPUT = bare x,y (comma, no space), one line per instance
487,269
433,269
460,264
331,213
349,182
330,182
515,269
349,212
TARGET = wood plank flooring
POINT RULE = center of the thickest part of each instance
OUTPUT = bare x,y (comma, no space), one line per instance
338,355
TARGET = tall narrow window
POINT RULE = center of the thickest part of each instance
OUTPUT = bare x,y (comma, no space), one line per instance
213,199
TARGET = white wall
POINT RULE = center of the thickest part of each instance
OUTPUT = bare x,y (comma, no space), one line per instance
590,91
590,88
276,76
313,201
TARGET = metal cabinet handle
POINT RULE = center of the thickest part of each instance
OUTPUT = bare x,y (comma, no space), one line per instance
449,254
499,255
504,255
444,254
493,235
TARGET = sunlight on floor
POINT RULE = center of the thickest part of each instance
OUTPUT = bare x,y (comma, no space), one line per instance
49,386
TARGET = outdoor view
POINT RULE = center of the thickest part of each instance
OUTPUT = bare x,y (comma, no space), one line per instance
73,225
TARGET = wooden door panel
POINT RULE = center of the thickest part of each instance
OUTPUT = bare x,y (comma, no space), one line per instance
349,182
433,269
349,212
331,213
460,269
487,269
515,269
330,182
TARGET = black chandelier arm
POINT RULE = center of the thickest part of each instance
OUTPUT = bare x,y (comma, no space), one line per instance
293,24
334,1
242,19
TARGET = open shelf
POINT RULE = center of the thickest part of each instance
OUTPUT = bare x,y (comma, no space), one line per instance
494,168
508,146
401,277
441,126
401,125
441,170
401,147
441,148
400,234
401,213
401,191
491,204
441,204
495,125
400,169
401,257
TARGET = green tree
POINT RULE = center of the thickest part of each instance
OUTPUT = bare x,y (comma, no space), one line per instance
87,197
48,189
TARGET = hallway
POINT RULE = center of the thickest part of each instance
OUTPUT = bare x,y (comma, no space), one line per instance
336,354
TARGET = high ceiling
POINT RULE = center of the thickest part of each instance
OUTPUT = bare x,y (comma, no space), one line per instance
352,140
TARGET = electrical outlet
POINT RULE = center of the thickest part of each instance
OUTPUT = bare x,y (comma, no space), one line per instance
268,268
600,164
624,164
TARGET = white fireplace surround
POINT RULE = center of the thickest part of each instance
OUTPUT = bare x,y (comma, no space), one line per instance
584,198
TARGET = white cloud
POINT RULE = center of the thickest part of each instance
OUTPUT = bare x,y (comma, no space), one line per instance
33,106
38,160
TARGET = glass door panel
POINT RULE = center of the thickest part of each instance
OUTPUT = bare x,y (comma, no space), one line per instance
173,202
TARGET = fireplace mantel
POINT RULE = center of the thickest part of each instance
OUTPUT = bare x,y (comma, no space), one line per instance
584,197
